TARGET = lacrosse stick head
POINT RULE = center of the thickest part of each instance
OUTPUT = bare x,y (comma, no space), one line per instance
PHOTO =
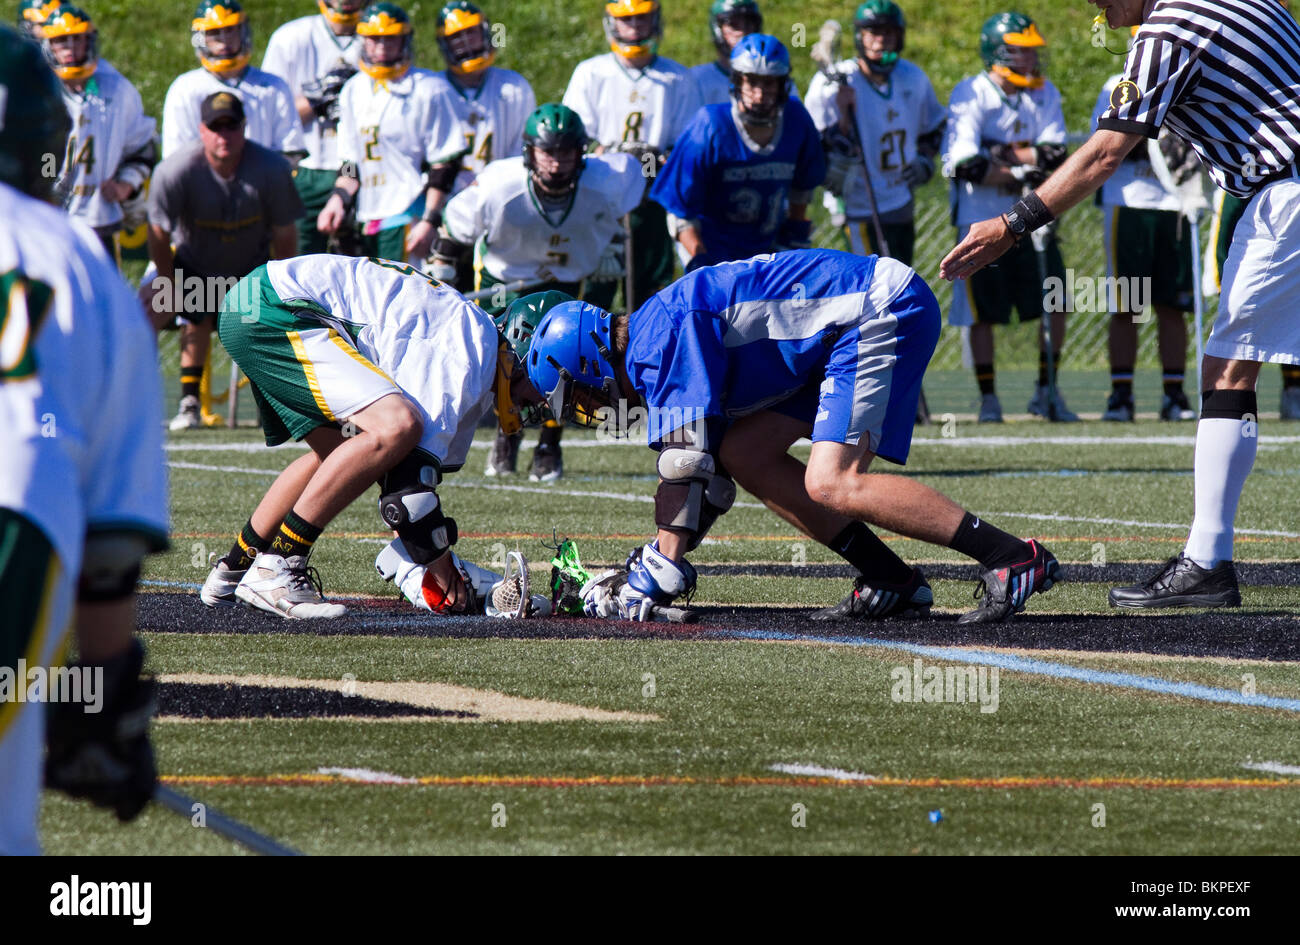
510,597
826,51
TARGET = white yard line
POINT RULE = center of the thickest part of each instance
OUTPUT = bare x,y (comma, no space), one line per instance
1272,767
366,776
817,771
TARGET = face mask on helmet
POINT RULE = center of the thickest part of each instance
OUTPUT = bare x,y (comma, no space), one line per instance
1014,50
733,23
569,361
760,71
343,13
465,40
555,171
222,39
633,27
387,42
1022,66
879,46
71,44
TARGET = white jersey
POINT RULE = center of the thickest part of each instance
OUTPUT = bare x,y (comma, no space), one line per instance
981,114
386,130
1134,183
302,51
272,119
488,121
616,104
438,348
108,123
891,119
523,242
80,397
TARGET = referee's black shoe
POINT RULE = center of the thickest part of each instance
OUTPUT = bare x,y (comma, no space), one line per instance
1183,583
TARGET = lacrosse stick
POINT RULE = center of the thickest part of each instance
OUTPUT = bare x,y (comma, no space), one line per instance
1039,238
220,824
824,54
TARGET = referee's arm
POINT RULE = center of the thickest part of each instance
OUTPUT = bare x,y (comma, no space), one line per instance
1085,171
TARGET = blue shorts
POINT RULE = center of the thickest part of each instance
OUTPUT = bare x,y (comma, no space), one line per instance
872,382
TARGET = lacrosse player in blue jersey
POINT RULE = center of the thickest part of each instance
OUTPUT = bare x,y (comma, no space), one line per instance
736,362
735,168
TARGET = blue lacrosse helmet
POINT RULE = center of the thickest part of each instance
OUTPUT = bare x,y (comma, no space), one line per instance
570,362
759,54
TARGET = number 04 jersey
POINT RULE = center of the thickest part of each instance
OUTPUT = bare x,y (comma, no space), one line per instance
890,121
486,122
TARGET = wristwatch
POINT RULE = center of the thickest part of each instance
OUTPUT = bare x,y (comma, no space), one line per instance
1017,224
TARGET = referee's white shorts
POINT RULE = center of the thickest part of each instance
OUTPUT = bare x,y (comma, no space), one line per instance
1261,281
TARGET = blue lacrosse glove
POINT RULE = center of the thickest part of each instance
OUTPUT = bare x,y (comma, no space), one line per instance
653,578
794,234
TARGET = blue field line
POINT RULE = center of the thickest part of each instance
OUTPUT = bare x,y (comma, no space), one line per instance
1021,664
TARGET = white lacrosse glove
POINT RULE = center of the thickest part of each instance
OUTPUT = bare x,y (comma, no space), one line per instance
444,270
610,268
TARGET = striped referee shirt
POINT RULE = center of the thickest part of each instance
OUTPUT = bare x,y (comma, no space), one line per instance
1225,76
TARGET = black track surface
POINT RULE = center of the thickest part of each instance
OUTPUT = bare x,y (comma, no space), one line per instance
225,701
1225,633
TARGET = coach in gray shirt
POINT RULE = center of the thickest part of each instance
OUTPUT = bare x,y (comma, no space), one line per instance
217,210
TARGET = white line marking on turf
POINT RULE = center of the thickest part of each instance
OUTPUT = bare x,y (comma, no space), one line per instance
1053,517
817,771
1272,767
367,776
1111,441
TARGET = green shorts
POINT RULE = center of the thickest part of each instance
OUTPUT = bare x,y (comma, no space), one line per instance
1155,245
1013,281
28,572
303,372
653,256
386,244
860,238
314,187
1224,226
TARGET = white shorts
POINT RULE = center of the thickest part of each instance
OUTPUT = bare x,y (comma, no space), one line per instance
1261,281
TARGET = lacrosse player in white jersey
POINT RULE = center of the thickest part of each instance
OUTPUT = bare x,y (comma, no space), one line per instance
385,373
223,42
481,116
632,99
83,492
1006,132
315,55
548,218
900,130
386,145
112,148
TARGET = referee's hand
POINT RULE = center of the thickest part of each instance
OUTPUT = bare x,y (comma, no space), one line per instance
985,242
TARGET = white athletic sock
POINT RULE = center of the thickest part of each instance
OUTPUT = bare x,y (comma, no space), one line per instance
1225,453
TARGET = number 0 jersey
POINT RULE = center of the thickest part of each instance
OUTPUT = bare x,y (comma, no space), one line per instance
80,396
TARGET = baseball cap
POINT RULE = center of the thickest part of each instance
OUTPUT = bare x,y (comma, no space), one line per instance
221,105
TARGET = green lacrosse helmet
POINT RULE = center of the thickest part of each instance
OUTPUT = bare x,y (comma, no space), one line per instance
33,122
1000,36
32,15
522,316
551,127
879,15
743,14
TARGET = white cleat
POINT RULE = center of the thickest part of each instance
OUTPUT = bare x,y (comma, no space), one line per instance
219,588
188,416
286,587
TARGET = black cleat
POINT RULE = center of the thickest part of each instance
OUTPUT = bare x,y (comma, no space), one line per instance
879,601
1183,583
1005,590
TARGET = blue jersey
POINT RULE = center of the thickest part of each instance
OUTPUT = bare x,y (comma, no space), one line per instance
844,337
737,194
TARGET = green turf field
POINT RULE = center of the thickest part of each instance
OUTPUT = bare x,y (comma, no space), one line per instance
735,738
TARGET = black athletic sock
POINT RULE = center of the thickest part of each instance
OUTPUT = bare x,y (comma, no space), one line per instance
1121,380
1173,382
549,437
247,546
190,380
990,546
1042,366
295,537
1290,375
986,378
861,547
